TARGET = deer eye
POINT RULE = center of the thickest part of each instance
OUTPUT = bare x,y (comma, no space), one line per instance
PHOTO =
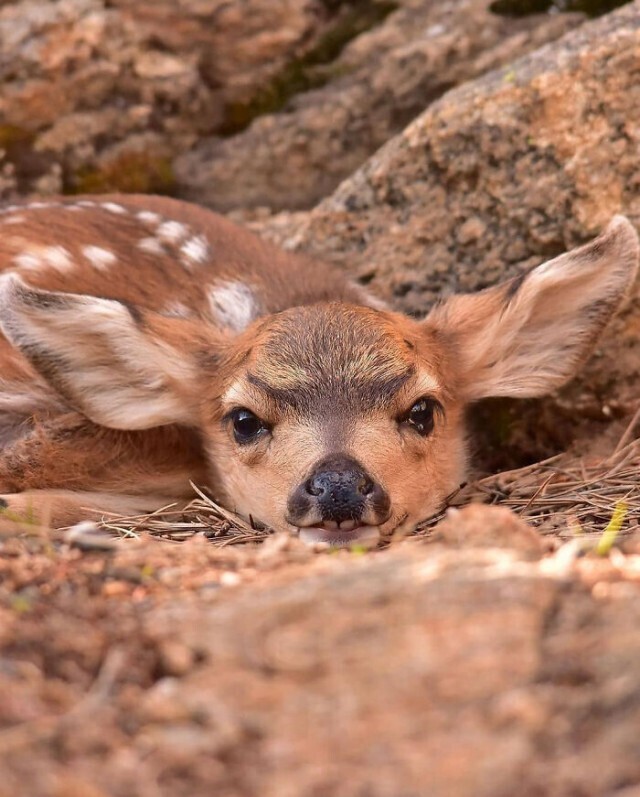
247,427
421,416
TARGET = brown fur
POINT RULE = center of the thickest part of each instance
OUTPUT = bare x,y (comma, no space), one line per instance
151,281
118,404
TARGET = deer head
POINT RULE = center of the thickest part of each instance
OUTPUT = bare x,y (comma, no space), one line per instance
334,420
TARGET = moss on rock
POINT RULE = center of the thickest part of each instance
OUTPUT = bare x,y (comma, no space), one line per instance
306,72
522,8
129,173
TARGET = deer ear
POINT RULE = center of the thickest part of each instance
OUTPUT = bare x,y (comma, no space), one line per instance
528,336
102,356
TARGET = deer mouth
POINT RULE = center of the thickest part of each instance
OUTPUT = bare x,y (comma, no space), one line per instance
349,532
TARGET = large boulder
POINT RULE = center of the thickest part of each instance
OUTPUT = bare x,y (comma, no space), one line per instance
381,81
102,95
495,177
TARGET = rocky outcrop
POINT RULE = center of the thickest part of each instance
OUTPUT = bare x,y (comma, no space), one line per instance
516,166
381,81
495,177
101,95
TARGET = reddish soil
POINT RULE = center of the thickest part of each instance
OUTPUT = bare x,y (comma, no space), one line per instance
483,661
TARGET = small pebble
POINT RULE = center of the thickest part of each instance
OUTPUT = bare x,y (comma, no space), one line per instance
229,579
88,537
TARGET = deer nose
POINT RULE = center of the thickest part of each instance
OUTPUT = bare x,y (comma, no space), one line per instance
342,489
328,483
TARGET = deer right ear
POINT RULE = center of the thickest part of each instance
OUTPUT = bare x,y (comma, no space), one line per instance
102,357
528,336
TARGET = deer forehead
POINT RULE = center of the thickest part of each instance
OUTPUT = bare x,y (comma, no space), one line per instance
331,342
347,374
328,355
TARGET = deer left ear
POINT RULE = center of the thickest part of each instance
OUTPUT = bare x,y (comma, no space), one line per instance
102,356
530,335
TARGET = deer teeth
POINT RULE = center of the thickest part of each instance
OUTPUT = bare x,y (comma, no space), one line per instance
361,535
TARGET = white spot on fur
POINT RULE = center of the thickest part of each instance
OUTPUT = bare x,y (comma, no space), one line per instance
14,220
148,216
28,261
177,310
113,207
57,257
195,251
99,258
152,246
233,305
86,203
172,231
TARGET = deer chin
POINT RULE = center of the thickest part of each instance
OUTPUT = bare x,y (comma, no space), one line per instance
367,536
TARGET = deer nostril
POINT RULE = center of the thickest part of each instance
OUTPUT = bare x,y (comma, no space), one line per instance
315,487
365,486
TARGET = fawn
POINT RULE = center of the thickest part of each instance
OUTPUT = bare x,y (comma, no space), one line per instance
148,343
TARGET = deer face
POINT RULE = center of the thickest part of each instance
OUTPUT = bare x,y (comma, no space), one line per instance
337,421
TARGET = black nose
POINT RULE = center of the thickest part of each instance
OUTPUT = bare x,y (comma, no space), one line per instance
342,488
329,482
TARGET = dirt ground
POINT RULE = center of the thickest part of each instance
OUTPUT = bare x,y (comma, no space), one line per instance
482,659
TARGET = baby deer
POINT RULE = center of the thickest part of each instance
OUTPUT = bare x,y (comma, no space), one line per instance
147,342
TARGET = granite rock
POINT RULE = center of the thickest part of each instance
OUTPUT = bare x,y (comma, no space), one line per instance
382,80
495,177
100,95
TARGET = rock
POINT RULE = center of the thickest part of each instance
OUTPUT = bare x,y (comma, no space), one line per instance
493,178
479,526
430,672
69,785
439,669
175,659
241,46
103,89
373,89
496,175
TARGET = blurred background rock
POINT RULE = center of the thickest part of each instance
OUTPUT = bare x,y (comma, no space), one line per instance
234,104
